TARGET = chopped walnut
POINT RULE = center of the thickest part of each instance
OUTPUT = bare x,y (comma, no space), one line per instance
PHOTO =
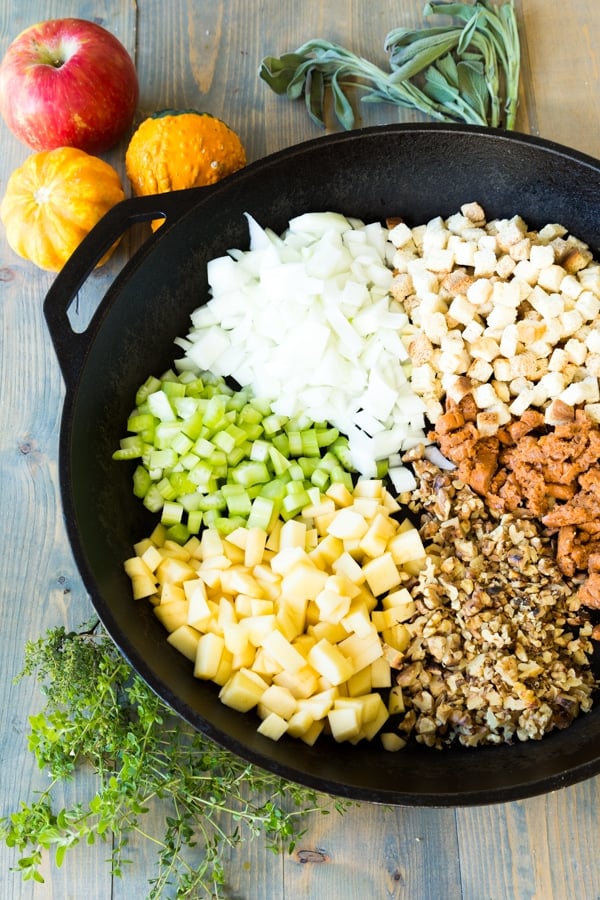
500,645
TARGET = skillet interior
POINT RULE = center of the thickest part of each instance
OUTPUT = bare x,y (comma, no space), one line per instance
417,172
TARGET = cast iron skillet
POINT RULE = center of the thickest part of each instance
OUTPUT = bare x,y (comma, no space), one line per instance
415,171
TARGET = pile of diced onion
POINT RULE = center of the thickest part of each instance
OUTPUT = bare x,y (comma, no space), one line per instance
306,320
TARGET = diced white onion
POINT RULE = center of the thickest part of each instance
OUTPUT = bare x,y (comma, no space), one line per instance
306,319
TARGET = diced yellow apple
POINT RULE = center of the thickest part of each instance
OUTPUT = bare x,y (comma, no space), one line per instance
200,611
283,651
159,534
174,570
362,651
273,726
378,716
302,684
360,683
310,736
151,557
344,723
226,612
280,700
174,550
358,619
265,665
225,670
236,637
211,544
238,580
142,586
286,558
382,574
395,701
258,627
303,643
340,494
327,551
381,673
380,530
255,547
243,690
347,524
386,618
299,723
172,615
292,534
193,547
392,742
291,619
238,538
170,592
334,632
332,606
368,507
407,547
185,639
330,662
261,606
235,555
325,506
319,704
145,544
346,565
368,487
303,581
398,636
208,655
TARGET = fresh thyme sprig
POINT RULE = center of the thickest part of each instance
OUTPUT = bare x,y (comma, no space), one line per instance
452,73
100,714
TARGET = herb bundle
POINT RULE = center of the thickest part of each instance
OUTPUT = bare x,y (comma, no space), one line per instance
100,714
466,72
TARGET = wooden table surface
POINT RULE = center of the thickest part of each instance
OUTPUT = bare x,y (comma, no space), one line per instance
205,54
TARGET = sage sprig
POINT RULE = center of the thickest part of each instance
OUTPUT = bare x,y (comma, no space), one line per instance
99,714
462,72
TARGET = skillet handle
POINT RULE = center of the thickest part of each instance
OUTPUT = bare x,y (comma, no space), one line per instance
71,346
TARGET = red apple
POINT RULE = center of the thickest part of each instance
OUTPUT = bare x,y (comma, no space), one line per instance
68,82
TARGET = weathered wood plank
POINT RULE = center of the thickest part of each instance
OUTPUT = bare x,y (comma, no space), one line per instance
39,583
206,55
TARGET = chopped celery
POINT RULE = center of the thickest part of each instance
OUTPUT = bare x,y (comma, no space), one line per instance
210,455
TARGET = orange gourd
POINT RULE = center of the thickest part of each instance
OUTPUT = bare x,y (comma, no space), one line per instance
176,149
53,200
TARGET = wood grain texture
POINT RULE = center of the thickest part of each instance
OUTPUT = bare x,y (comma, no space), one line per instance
205,54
